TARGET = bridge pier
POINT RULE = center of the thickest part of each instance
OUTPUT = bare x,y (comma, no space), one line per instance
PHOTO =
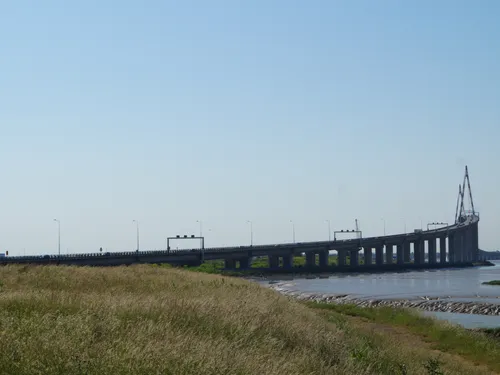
464,246
389,253
451,249
341,258
442,250
417,252
473,249
288,261
274,261
431,246
407,251
467,246
473,243
459,247
310,259
400,254
368,255
245,263
323,258
476,242
379,255
463,239
354,258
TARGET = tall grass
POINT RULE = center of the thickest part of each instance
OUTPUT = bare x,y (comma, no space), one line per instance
149,320
154,320
473,345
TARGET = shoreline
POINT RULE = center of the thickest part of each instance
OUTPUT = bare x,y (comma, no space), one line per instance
301,271
324,272
432,304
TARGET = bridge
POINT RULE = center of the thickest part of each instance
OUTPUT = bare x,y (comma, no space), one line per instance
454,244
489,255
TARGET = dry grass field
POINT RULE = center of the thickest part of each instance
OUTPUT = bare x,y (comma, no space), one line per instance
154,320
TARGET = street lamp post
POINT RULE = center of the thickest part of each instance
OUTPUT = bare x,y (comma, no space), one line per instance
329,231
293,230
58,236
137,227
251,232
203,239
201,227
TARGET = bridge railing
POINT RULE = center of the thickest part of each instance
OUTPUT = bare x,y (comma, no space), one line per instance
231,249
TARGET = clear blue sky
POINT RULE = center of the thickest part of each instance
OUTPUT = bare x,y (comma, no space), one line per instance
266,110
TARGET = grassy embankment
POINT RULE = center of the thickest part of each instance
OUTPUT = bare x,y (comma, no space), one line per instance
492,282
152,320
478,346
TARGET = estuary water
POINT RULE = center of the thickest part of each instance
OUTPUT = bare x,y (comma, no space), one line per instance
464,285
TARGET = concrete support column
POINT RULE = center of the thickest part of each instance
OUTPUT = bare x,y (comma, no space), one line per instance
459,247
463,247
431,246
245,263
274,261
400,254
473,246
368,255
476,242
288,261
379,255
406,252
417,251
473,249
468,245
451,249
310,259
389,252
229,263
354,256
341,258
323,258
442,250
463,239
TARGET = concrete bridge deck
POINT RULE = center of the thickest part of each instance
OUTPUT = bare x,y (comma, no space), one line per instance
457,244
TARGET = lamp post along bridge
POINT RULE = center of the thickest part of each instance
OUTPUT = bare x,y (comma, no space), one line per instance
454,244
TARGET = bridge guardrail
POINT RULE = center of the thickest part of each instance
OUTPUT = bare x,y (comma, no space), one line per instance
230,249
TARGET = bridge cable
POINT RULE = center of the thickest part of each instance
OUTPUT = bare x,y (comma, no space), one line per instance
462,209
470,191
458,202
